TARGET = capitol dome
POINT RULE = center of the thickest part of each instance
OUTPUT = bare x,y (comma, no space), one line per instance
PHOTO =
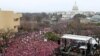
75,7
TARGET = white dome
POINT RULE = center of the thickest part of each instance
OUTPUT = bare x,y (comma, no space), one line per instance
75,7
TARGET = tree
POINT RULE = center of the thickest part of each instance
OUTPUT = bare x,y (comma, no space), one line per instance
76,24
37,18
51,36
5,35
59,28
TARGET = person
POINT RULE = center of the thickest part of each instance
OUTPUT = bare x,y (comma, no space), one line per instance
59,42
88,49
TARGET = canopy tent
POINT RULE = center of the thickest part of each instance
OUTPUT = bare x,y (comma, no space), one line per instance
76,37
79,37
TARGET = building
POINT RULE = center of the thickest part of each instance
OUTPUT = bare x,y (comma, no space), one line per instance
75,10
69,14
96,19
66,15
9,20
85,20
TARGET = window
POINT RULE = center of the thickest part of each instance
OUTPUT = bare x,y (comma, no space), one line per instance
15,26
16,19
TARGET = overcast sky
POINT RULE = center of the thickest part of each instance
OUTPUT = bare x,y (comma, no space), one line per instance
48,5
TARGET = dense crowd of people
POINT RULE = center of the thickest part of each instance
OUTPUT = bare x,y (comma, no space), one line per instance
30,44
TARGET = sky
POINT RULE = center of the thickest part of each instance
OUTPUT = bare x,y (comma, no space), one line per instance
48,5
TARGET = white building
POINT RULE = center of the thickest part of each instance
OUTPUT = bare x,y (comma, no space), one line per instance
70,14
75,10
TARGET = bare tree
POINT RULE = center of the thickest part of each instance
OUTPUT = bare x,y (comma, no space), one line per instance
76,24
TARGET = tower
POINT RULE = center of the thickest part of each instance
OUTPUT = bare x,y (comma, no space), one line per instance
75,7
74,10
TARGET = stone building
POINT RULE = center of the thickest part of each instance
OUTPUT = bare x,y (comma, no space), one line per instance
9,20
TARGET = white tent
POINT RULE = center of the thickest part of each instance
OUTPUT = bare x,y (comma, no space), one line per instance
76,37
79,37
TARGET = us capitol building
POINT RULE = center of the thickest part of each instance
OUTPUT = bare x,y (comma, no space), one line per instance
74,11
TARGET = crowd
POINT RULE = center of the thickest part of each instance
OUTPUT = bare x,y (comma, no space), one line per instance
30,44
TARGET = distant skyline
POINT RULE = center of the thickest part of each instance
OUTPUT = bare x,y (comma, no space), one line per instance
49,5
